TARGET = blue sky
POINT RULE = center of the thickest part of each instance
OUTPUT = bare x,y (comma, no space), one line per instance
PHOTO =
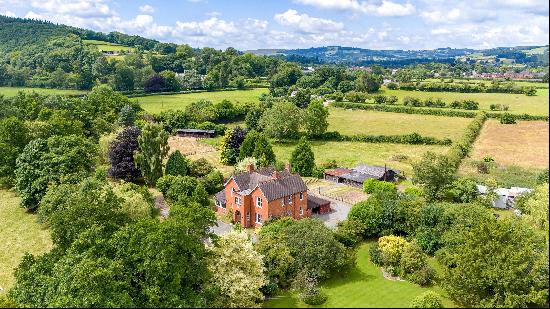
247,24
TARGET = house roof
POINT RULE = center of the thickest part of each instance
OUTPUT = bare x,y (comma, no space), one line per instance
358,176
220,196
314,201
374,170
286,183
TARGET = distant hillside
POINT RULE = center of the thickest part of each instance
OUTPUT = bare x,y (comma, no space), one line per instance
360,56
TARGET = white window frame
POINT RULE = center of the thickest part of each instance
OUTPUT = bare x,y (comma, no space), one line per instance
301,211
259,219
238,200
258,202
301,196
290,199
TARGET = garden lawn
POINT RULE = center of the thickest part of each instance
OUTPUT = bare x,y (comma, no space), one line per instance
519,103
158,103
19,233
363,287
351,122
349,154
12,91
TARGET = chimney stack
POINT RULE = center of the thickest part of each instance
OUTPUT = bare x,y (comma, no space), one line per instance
250,168
287,167
275,175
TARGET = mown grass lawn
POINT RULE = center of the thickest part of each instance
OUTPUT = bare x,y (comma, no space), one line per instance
519,103
158,103
364,286
351,122
348,154
19,233
12,91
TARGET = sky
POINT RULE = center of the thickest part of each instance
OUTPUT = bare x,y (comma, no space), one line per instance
247,24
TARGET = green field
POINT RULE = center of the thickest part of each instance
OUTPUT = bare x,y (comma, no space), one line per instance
107,46
381,123
363,287
158,103
519,103
536,51
12,91
349,154
488,82
19,233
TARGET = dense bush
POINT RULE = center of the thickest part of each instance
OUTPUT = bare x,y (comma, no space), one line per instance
412,138
372,185
463,190
427,299
121,155
507,119
348,232
177,164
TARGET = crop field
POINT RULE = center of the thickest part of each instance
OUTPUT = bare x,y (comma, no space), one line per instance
195,149
12,91
520,152
363,287
158,103
519,103
349,154
382,123
108,46
19,233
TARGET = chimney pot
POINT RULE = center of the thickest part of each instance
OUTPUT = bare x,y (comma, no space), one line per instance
275,175
287,167
250,168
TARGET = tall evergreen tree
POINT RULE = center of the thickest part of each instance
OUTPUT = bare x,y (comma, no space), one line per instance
177,164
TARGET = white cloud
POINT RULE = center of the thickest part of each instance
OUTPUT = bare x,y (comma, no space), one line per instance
211,27
386,8
83,8
306,24
147,9
8,13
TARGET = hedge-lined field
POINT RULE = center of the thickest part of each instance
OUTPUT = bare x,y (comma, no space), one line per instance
12,91
351,153
519,103
158,103
349,122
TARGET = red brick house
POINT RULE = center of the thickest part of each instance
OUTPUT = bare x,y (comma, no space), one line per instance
258,195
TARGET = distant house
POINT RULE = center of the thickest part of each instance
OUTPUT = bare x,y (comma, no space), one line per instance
505,198
195,133
359,174
255,196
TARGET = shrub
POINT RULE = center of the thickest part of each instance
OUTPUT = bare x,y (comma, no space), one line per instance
507,118
349,232
177,164
414,191
372,185
200,167
427,299
463,190
369,213
413,265
375,254
391,249
423,276
392,86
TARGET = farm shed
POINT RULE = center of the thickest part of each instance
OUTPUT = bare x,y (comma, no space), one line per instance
318,205
505,198
335,174
195,133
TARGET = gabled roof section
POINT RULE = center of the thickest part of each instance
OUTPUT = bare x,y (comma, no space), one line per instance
273,188
278,188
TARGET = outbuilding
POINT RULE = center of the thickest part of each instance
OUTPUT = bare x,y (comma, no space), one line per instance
195,133
318,205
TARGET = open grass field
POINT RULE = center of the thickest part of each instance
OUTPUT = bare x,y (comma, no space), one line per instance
488,81
523,144
363,287
158,103
195,149
519,103
19,233
349,154
381,123
12,91
108,46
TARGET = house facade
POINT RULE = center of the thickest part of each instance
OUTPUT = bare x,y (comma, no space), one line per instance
255,196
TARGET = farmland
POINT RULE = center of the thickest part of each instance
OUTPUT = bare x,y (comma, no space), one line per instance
514,164
158,103
381,123
12,91
107,46
19,233
364,287
519,103
348,154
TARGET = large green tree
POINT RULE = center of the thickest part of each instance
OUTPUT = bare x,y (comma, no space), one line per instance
282,121
434,173
13,138
153,148
316,118
302,159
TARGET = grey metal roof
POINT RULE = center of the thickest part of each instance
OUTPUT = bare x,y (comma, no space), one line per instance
359,176
375,171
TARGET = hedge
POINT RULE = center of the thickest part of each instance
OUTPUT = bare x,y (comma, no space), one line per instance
430,111
462,147
466,87
412,139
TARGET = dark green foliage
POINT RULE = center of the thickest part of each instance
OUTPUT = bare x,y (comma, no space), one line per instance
414,265
375,255
121,155
213,182
372,185
412,138
349,232
257,145
231,145
543,177
177,164
432,223
200,168
13,138
59,159
316,122
427,299
302,159
507,118
463,190
301,98
153,148
493,262
253,117
282,121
